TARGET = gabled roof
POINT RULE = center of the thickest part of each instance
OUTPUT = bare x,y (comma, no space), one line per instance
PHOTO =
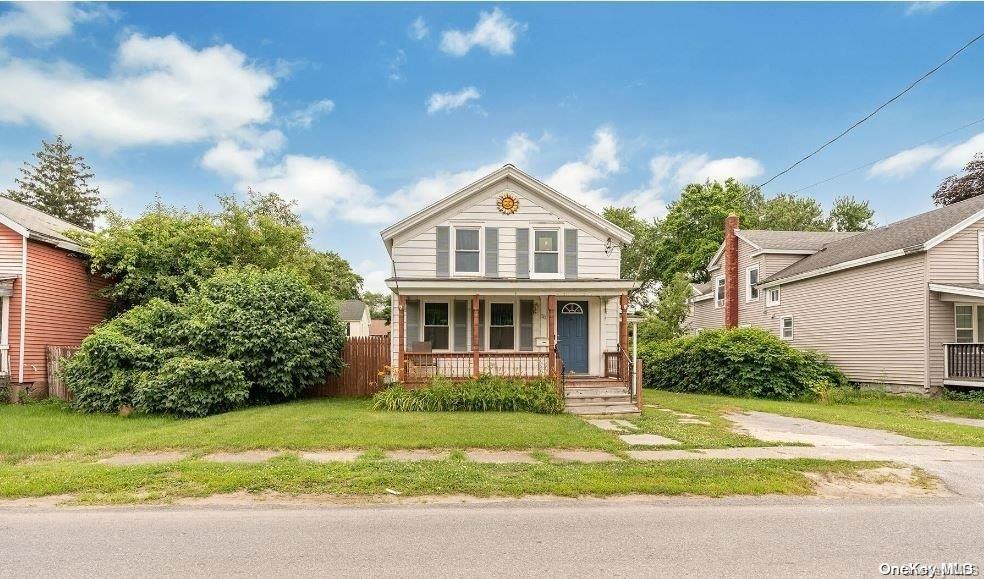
36,224
507,171
796,242
351,310
918,233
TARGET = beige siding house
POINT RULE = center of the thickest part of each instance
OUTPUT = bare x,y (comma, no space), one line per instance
900,306
508,276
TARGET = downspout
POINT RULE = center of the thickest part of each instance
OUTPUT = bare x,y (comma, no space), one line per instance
23,309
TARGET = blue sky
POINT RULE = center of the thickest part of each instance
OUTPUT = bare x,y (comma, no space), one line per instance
364,112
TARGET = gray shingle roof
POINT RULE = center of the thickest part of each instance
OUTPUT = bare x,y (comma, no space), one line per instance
41,225
703,288
792,240
351,310
908,234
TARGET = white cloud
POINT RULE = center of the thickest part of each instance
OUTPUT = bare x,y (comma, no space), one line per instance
494,31
739,168
957,156
113,189
396,65
42,22
578,179
449,101
161,91
923,7
373,277
905,163
305,117
418,29
230,159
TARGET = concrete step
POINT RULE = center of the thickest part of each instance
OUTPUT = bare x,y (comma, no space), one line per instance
602,409
626,399
595,392
592,382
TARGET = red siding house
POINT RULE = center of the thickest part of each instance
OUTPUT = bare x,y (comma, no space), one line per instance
49,298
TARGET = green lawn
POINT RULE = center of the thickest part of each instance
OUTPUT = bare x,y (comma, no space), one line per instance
90,483
46,429
907,415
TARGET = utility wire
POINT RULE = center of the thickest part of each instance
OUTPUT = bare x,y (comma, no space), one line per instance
874,112
876,161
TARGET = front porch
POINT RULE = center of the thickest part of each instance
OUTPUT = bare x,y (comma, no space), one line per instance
964,365
578,340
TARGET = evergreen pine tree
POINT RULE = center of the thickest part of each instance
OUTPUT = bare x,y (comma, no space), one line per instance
58,185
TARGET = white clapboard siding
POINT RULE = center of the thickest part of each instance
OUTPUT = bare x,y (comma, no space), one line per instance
955,260
414,255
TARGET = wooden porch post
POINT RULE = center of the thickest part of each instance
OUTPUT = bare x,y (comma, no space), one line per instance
623,335
402,317
475,361
552,335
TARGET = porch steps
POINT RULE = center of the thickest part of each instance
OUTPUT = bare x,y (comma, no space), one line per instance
598,397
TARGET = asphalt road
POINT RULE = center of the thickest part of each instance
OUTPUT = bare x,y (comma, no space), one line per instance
622,538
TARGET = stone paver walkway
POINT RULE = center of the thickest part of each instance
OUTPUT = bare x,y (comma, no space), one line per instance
647,440
417,454
250,456
978,422
332,455
581,455
134,458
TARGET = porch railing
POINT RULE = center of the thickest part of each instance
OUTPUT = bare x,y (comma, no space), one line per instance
964,361
423,367
4,360
611,364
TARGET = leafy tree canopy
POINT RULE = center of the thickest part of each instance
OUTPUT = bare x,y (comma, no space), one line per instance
58,184
666,320
166,251
379,305
960,187
849,214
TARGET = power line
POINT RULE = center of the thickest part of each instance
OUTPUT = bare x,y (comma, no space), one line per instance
876,161
874,112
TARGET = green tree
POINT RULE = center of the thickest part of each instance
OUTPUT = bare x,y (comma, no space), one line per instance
849,214
635,263
786,212
666,320
167,252
379,305
58,184
961,187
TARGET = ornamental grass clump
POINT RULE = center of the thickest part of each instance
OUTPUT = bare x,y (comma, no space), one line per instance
245,336
486,393
738,362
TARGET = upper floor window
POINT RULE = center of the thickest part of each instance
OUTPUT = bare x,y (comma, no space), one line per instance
466,250
546,251
772,296
751,278
719,292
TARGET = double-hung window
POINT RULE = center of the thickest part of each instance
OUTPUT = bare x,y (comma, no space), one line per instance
719,292
963,321
772,296
467,256
546,251
502,326
786,328
436,325
751,278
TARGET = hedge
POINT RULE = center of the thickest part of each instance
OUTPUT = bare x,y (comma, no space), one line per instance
737,362
486,393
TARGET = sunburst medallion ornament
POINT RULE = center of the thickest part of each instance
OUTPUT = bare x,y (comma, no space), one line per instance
507,203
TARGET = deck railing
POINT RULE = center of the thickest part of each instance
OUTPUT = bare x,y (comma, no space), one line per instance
611,364
964,361
423,367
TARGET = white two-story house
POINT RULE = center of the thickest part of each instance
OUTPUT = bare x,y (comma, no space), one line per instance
507,276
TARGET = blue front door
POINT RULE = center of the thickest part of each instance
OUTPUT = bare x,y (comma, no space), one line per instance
572,335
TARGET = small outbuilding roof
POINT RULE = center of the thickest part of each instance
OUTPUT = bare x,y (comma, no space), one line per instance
37,224
351,310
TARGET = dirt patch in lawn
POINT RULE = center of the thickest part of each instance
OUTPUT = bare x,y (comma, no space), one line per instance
883,482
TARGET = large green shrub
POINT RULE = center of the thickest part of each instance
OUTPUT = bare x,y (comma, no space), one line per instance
243,336
737,362
486,393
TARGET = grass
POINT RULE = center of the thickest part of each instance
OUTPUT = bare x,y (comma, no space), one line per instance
906,415
90,483
50,429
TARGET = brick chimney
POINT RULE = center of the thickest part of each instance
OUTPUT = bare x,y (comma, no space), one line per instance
731,271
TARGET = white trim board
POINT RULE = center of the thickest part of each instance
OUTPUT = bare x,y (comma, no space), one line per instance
956,290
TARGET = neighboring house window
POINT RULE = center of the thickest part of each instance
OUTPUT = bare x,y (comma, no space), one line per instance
467,257
719,292
502,327
436,325
751,278
786,327
963,321
546,251
772,296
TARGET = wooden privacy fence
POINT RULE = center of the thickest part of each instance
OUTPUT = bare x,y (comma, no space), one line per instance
365,359
54,356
